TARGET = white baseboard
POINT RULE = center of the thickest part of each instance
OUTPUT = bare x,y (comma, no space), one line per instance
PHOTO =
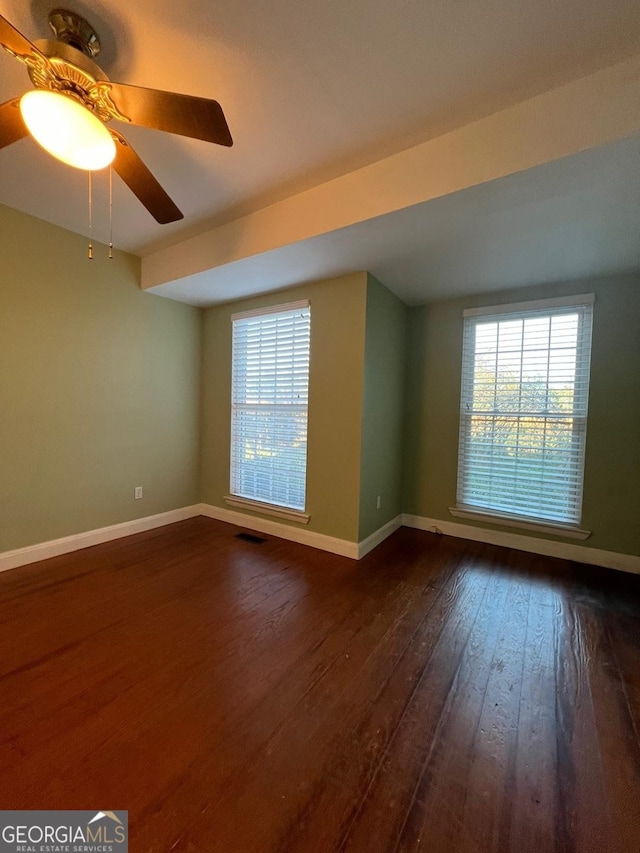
67,544
546,547
55,547
284,531
378,536
343,547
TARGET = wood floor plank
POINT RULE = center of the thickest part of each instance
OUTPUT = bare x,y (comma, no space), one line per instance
438,695
492,751
617,737
586,815
533,825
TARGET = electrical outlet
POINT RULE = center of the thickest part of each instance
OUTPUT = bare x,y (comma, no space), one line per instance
378,502
137,492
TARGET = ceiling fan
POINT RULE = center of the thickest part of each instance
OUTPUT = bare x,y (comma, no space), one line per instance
73,99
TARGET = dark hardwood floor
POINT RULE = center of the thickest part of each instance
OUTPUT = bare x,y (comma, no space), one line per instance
439,695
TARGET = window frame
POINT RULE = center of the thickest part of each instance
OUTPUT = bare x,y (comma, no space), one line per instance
256,502
557,306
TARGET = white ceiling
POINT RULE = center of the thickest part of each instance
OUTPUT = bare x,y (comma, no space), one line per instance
578,217
313,89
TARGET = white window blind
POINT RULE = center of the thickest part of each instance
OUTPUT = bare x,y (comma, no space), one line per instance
523,415
270,383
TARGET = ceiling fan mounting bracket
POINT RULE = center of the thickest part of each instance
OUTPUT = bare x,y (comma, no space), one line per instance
72,29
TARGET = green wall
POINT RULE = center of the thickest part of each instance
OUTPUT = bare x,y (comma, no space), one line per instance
335,400
104,387
99,388
383,399
612,467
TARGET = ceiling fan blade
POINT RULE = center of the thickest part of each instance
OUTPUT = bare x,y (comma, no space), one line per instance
142,183
12,127
185,115
13,40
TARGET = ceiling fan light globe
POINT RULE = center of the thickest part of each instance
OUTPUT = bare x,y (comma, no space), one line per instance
67,130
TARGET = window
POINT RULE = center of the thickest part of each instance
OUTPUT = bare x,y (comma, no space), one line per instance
523,414
269,397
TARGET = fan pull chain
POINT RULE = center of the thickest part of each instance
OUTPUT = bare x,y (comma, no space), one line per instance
90,253
110,212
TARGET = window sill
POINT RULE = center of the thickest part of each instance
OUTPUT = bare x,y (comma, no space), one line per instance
569,531
268,509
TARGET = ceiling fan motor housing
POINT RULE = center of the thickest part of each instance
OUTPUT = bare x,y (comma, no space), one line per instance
74,69
71,55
